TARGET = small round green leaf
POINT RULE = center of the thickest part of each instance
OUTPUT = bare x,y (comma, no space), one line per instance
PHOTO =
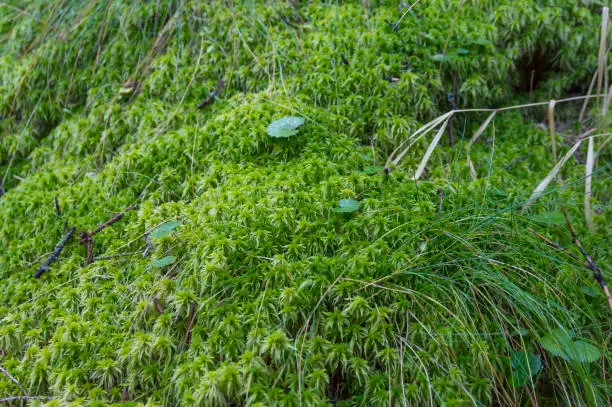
165,229
285,127
163,262
347,206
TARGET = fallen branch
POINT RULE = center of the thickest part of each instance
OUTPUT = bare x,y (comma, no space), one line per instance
55,255
191,318
212,96
558,247
597,275
148,246
11,378
58,210
517,160
87,237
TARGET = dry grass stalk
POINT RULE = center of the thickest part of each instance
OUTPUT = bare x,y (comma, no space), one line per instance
551,127
474,138
551,175
430,149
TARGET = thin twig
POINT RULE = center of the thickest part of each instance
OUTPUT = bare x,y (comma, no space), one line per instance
517,160
58,210
284,20
87,237
11,378
55,255
441,193
597,275
112,220
1,187
158,306
148,246
212,96
558,247
191,318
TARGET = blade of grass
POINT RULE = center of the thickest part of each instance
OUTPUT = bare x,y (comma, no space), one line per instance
551,175
551,127
474,138
587,184
430,149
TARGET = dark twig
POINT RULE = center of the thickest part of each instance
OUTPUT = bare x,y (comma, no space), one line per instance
344,60
58,210
191,318
11,378
441,193
1,188
212,96
597,275
517,160
158,306
148,246
112,220
284,20
55,255
558,247
87,237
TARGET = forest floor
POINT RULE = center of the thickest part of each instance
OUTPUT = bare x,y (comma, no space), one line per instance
305,203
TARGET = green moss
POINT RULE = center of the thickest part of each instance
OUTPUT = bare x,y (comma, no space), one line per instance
285,301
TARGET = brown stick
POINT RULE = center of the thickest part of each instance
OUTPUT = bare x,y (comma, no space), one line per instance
55,255
87,237
597,275
558,247
112,220
517,160
11,378
58,210
441,193
191,318
148,245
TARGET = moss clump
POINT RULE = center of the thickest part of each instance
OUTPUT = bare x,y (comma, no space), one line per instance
273,298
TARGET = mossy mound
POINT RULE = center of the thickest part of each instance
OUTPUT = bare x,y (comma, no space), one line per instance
262,294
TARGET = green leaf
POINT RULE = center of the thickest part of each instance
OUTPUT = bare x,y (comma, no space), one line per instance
164,261
561,343
524,366
285,127
481,41
584,352
440,58
373,169
347,206
549,218
462,51
165,229
590,291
